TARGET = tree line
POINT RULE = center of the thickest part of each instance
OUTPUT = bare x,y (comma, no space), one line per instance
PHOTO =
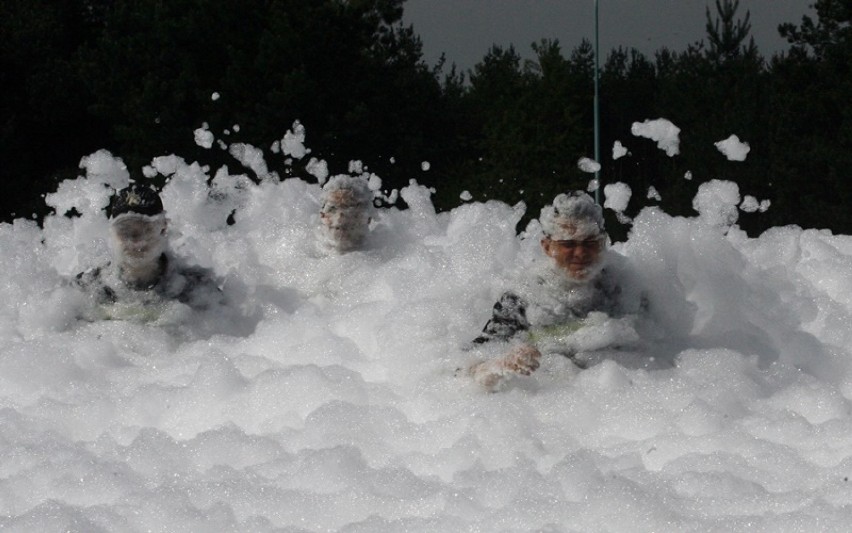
136,77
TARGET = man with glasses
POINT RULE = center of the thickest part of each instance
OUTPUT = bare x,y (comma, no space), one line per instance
545,312
143,274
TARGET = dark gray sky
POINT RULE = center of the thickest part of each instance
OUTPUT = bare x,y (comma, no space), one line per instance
466,29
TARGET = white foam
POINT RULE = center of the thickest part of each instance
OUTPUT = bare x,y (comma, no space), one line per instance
716,202
617,196
733,148
588,165
326,400
619,150
204,137
661,130
293,142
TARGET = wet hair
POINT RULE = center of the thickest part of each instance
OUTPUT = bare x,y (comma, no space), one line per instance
573,215
137,199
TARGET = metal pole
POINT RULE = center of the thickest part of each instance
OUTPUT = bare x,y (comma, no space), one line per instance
597,110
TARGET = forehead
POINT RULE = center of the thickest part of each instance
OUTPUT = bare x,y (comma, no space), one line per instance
135,222
576,227
342,198
567,224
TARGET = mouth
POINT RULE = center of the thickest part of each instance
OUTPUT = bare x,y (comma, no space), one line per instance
137,251
344,228
578,268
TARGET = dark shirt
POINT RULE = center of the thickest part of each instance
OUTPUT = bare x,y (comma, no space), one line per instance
190,285
549,301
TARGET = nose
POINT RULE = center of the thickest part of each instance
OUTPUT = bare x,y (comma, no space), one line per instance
581,252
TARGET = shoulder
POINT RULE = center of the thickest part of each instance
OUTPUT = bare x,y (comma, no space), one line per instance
508,317
94,281
510,303
620,282
608,280
191,284
91,274
540,280
178,266
196,274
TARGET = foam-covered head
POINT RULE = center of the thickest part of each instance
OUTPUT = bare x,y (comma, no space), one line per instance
347,204
138,229
572,216
574,235
139,237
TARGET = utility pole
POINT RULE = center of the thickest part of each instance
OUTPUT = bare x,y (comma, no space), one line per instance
597,110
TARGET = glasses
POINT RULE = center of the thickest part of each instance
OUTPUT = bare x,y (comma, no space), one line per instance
588,244
132,228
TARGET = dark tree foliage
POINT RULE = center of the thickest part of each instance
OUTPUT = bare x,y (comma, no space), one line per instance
340,67
726,33
44,123
529,124
711,92
812,146
136,77
793,111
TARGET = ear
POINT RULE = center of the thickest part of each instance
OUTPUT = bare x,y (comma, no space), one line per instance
545,245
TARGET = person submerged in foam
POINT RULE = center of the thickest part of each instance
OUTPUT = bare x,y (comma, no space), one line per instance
143,273
572,290
345,216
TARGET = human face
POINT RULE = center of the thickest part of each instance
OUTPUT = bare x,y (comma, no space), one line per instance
344,219
577,258
139,237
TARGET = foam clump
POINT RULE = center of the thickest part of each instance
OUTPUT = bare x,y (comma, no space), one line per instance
717,201
204,137
588,165
293,142
326,397
617,196
733,149
661,130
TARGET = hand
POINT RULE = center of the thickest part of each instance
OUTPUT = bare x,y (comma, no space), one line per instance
523,359
492,375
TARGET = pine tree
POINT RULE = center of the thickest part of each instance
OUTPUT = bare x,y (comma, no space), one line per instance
812,126
726,34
